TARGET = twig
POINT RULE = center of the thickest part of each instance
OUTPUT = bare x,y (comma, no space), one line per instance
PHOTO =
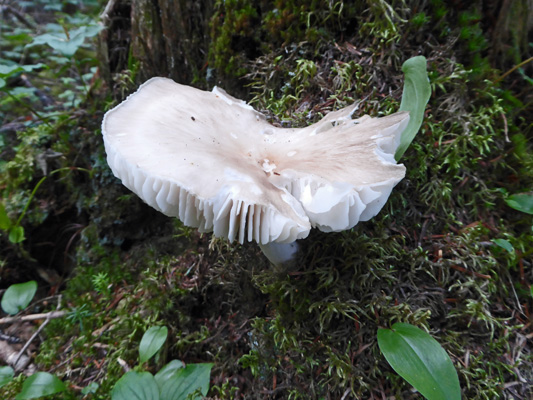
505,128
276,390
469,272
422,232
27,344
10,10
346,393
514,69
55,367
30,108
45,99
124,364
33,317
105,16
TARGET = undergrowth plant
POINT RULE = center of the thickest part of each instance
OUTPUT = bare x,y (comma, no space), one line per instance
174,381
16,298
40,135
450,253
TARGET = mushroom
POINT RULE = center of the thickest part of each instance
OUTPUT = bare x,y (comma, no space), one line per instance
217,164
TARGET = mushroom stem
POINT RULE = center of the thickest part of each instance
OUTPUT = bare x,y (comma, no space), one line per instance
279,253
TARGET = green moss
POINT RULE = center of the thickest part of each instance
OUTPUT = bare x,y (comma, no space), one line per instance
428,258
233,33
242,31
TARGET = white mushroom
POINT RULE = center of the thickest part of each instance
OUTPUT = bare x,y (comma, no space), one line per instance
215,163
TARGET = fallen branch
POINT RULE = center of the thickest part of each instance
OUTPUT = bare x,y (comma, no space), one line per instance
33,317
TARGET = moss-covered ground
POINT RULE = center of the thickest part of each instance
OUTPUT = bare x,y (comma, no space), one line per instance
431,258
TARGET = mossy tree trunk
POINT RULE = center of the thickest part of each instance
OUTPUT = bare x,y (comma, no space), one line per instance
192,41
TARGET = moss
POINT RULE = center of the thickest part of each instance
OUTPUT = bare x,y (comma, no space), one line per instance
429,258
233,34
242,31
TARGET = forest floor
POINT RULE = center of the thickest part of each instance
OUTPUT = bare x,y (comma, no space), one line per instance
451,252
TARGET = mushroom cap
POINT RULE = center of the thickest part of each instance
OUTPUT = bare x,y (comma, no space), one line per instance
215,163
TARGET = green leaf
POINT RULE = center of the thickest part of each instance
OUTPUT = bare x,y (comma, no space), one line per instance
420,360
521,202
6,374
416,94
14,69
136,386
16,234
186,381
504,244
10,70
67,46
17,297
167,371
151,342
5,222
90,388
40,384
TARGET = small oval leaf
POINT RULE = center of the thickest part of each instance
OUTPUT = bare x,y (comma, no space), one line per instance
6,374
17,297
16,234
152,341
521,202
136,386
186,381
416,94
421,361
504,244
40,384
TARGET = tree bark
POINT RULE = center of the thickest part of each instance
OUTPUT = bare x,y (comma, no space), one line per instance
510,42
156,38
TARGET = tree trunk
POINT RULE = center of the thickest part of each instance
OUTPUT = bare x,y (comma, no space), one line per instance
510,42
156,38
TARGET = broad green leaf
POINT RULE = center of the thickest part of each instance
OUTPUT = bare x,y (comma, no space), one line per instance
136,386
186,381
67,46
504,244
152,341
2,83
59,42
167,371
416,94
420,360
521,202
5,222
6,374
13,69
40,384
17,297
16,234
